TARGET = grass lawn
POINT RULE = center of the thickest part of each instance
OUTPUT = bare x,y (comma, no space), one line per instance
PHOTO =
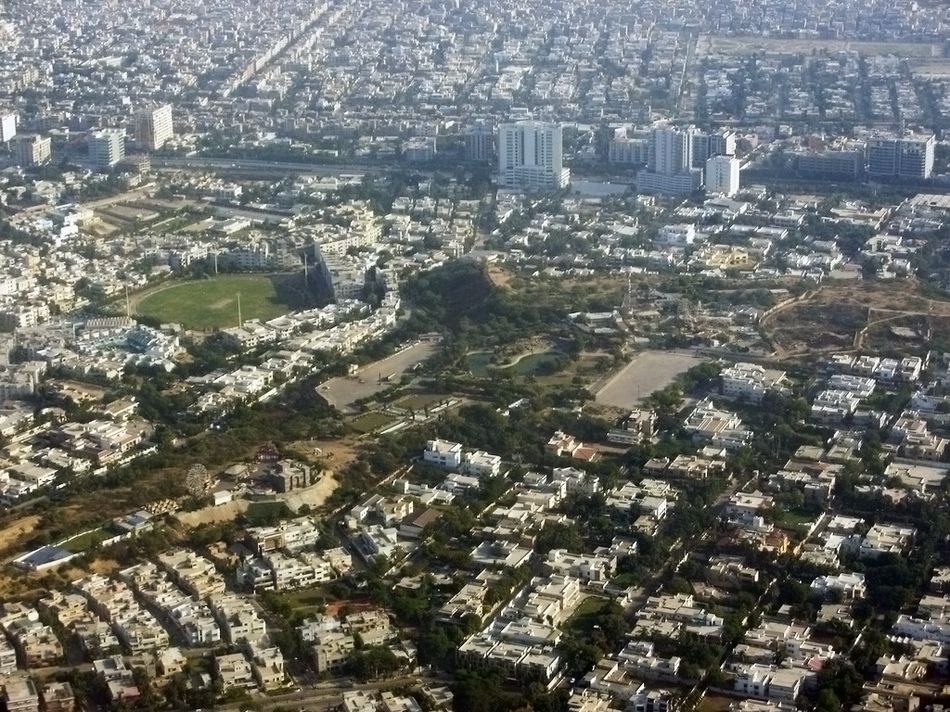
419,401
265,512
369,422
587,613
213,303
798,519
84,542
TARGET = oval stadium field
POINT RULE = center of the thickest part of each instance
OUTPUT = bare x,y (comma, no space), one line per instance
212,303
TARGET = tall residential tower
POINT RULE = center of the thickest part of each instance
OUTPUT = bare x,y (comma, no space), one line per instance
530,158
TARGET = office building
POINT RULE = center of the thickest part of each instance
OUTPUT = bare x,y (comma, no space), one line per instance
7,125
106,147
480,143
32,150
529,156
153,127
722,175
901,157
670,166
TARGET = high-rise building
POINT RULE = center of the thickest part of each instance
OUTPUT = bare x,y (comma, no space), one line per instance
626,149
722,175
32,150
671,150
480,143
106,147
670,168
901,157
716,143
7,125
153,127
530,158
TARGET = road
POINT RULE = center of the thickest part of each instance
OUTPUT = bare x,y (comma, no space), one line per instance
325,696
246,164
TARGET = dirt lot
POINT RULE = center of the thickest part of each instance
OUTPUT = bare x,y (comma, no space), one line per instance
213,515
499,276
647,372
315,496
335,453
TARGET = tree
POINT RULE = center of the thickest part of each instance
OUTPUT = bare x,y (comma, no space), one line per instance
373,662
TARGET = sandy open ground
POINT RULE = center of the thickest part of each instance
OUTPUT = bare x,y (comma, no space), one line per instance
647,372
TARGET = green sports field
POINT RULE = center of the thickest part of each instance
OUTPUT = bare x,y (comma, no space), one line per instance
213,303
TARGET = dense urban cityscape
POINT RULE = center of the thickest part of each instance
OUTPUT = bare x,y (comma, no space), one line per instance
552,357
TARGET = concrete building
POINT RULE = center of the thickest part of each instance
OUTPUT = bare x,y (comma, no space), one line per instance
480,143
106,147
628,150
20,695
830,165
32,150
901,157
706,145
670,163
530,156
58,697
7,126
153,127
722,175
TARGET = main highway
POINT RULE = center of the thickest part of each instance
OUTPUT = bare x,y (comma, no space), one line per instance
247,165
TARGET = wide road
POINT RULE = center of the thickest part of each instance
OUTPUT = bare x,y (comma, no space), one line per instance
327,695
247,164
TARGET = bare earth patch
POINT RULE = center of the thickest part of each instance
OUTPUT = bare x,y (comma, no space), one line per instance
14,533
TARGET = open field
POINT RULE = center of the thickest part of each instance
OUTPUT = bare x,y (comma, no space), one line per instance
647,372
12,534
371,421
845,318
419,401
342,392
213,303
713,44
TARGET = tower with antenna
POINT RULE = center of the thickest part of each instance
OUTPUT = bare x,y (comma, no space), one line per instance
240,320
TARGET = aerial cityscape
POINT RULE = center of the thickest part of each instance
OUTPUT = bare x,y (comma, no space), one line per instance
475,357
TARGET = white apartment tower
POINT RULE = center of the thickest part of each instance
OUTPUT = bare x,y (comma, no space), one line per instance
7,125
722,175
670,168
106,147
901,157
153,127
671,150
530,158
